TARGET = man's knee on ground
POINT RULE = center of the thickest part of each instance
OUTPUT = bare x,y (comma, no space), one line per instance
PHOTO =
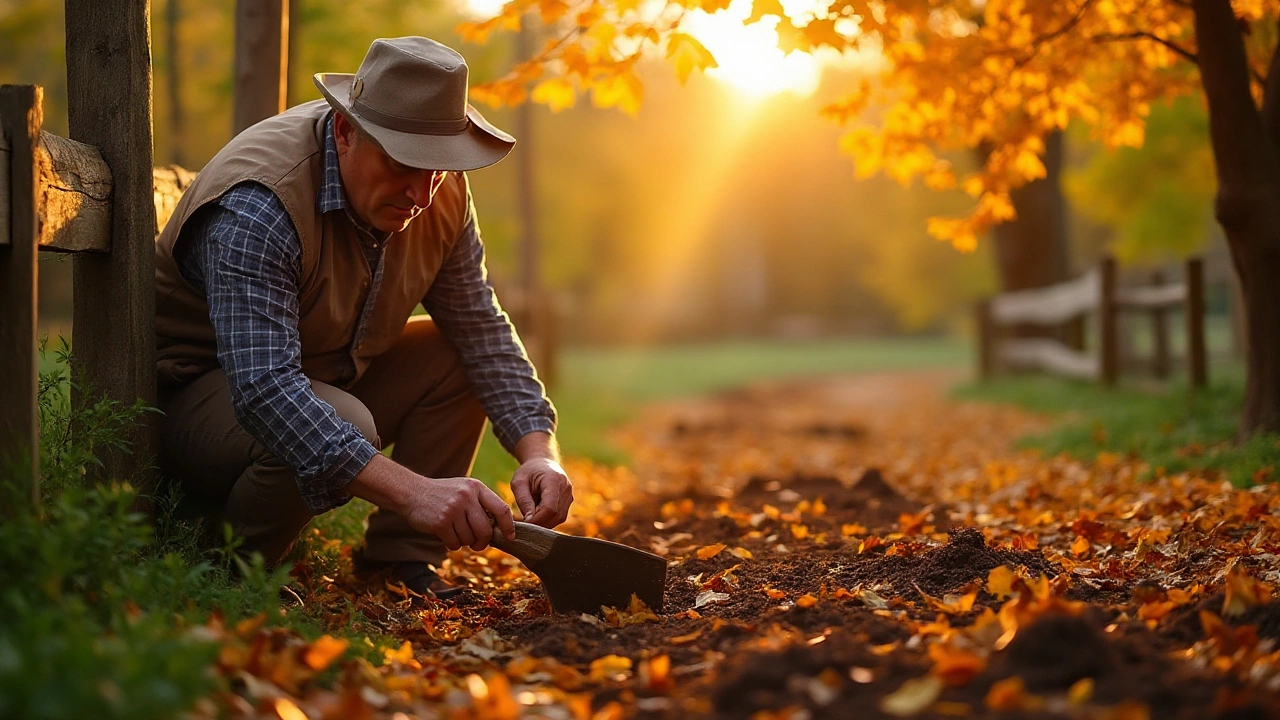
349,408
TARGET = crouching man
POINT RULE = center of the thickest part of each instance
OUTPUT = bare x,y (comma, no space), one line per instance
285,281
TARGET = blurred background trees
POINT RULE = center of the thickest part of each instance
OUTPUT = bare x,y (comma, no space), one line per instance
719,209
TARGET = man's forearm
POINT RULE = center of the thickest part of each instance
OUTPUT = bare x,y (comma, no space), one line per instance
537,446
382,482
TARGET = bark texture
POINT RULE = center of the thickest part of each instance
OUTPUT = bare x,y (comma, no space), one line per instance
1248,202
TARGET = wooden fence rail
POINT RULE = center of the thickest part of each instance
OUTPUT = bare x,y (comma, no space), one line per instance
1096,292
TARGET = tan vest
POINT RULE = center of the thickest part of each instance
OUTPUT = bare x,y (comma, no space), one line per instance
286,154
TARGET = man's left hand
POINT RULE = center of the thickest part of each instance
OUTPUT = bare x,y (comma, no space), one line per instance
543,492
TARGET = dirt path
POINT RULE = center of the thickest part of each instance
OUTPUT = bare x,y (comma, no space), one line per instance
862,547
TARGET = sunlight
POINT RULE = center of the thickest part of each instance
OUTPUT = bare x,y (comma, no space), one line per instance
748,57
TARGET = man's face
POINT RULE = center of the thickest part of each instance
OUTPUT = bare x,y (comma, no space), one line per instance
385,194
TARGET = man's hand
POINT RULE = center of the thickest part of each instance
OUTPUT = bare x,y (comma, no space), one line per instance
460,511
543,492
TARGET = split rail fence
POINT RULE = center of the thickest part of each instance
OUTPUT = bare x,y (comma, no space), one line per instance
1095,293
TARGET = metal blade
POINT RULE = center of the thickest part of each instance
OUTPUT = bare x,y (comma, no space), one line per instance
582,574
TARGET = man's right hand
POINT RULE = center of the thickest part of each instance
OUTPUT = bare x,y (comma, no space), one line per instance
460,511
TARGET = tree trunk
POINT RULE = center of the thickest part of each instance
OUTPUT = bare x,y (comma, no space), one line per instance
1245,155
1031,251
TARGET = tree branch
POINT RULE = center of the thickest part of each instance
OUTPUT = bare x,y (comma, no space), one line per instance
1144,35
1063,30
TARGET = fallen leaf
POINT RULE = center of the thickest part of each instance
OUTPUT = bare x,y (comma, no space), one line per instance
324,651
610,667
707,597
806,601
710,551
912,698
1000,582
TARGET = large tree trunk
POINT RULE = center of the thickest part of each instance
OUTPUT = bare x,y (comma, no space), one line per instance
1245,153
1031,251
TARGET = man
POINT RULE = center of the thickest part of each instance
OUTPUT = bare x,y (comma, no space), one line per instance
285,281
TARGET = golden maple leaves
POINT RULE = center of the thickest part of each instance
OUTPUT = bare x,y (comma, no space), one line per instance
959,75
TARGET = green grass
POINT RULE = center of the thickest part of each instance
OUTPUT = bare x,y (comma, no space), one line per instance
1171,429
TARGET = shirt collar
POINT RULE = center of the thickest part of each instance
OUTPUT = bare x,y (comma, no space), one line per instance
332,196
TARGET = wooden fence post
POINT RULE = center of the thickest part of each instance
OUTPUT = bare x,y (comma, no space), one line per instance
1160,330
262,60
21,115
1196,356
986,339
1109,345
109,107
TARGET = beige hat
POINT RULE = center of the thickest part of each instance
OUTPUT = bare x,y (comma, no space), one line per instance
410,94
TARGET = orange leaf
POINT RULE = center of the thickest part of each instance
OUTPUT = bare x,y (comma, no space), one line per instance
285,708
324,651
1080,546
955,666
710,551
1007,694
1000,582
806,601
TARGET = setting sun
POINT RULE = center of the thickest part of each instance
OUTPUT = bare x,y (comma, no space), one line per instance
748,57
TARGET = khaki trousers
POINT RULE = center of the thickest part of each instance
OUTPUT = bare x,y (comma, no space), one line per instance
414,397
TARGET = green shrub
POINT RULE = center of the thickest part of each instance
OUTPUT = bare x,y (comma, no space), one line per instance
96,611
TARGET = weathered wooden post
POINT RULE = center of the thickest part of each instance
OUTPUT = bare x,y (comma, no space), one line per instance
262,60
1109,346
986,337
1197,360
21,115
1160,329
109,107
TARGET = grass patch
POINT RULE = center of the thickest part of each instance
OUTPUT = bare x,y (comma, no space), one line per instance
100,612
1171,429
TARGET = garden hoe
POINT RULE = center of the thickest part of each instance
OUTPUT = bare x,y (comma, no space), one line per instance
582,574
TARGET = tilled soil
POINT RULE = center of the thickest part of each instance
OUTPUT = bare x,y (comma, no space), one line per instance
863,548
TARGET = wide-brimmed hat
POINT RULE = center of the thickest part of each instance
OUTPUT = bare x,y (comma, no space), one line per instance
410,94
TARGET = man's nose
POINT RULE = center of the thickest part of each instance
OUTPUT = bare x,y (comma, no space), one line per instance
420,188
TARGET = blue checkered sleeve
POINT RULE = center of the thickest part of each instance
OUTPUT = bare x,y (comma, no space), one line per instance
251,257
463,304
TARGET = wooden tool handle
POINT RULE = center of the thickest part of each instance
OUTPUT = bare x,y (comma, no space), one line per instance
532,543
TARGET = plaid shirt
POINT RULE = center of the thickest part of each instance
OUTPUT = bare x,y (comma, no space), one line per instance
245,256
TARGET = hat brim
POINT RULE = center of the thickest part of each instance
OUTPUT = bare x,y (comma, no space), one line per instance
480,145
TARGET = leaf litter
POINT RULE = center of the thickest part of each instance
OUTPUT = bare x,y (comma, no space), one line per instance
836,547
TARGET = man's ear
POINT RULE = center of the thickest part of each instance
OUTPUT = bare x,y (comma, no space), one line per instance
344,132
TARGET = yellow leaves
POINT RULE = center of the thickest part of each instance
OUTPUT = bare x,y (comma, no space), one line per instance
1080,692
688,54
492,698
741,553
610,667
622,91
955,666
710,551
403,655
1243,592
655,674
556,93
799,531
952,603
324,651
762,8
1080,547
287,710
1010,695
853,529
913,697
1000,582
635,614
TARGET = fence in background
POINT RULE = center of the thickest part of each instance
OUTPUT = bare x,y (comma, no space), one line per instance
1095,293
